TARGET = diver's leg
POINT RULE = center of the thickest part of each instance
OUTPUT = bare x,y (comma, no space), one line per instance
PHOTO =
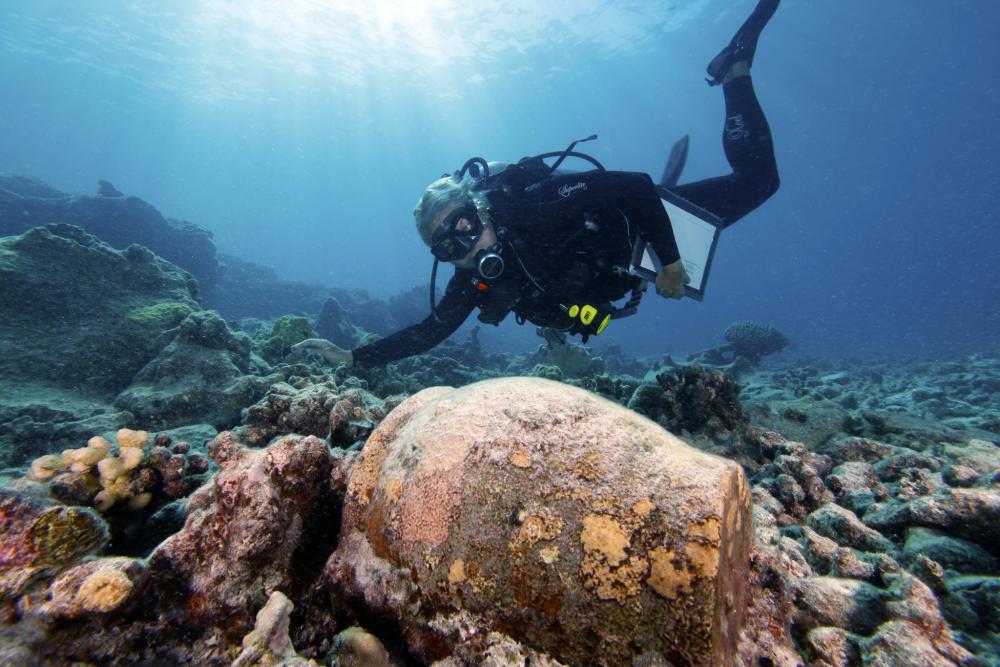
746,139
746,136
743,45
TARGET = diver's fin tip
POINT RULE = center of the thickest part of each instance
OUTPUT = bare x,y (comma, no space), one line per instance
743,45
675,163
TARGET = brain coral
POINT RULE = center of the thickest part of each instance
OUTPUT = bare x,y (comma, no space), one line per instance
541,511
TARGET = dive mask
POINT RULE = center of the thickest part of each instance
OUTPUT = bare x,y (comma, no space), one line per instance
457,235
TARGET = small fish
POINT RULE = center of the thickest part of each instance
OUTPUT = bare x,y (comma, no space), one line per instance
552,336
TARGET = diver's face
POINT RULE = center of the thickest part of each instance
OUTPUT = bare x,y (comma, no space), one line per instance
487,238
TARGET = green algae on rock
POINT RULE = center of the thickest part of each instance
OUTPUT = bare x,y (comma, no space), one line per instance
163,315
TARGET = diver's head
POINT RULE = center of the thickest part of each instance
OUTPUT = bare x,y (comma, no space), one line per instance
452,223
460,233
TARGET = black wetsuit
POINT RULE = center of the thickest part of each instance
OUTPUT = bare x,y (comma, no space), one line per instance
569,237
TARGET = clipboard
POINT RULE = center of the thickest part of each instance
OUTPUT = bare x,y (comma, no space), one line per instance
696,232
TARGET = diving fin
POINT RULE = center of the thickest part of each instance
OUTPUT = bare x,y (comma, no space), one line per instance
675,163
743,45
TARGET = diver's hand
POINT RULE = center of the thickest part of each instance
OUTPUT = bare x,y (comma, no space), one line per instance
325,349
671,279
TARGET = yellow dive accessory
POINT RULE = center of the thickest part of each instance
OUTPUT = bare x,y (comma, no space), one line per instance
587,315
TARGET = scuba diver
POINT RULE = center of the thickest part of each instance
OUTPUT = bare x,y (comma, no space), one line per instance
555,248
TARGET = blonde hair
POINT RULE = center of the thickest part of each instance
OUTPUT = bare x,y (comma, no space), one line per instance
445,192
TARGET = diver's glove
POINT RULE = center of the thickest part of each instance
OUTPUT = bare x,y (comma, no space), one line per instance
671,279
325,349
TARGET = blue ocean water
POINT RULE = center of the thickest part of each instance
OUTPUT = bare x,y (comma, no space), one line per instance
302,133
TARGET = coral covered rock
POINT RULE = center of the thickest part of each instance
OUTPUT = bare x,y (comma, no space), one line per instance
754,341
37,540
122,483
285,332
319,407
78,331
247,531
269,645
96,317
33,532
546,513
206,374
354,647
692,399
97,587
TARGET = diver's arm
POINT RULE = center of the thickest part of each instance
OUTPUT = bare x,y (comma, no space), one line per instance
655,229
455,306
643,202
636,196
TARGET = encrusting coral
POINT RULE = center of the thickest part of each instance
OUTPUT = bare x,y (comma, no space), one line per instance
99,586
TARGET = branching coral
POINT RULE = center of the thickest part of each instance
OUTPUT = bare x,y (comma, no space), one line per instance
692,399
754,340
115,474
97,475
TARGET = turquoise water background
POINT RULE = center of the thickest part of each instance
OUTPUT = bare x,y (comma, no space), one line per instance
302,132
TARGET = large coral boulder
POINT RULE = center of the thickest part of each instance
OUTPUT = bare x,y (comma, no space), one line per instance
551,515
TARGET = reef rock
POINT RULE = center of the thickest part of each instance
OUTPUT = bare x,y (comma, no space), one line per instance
38,539
102,586
334,325
343,413
524,507
247,289
286,331
249,532
117,220
269,645
205,374
95,313
973,514
844,527
37,532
